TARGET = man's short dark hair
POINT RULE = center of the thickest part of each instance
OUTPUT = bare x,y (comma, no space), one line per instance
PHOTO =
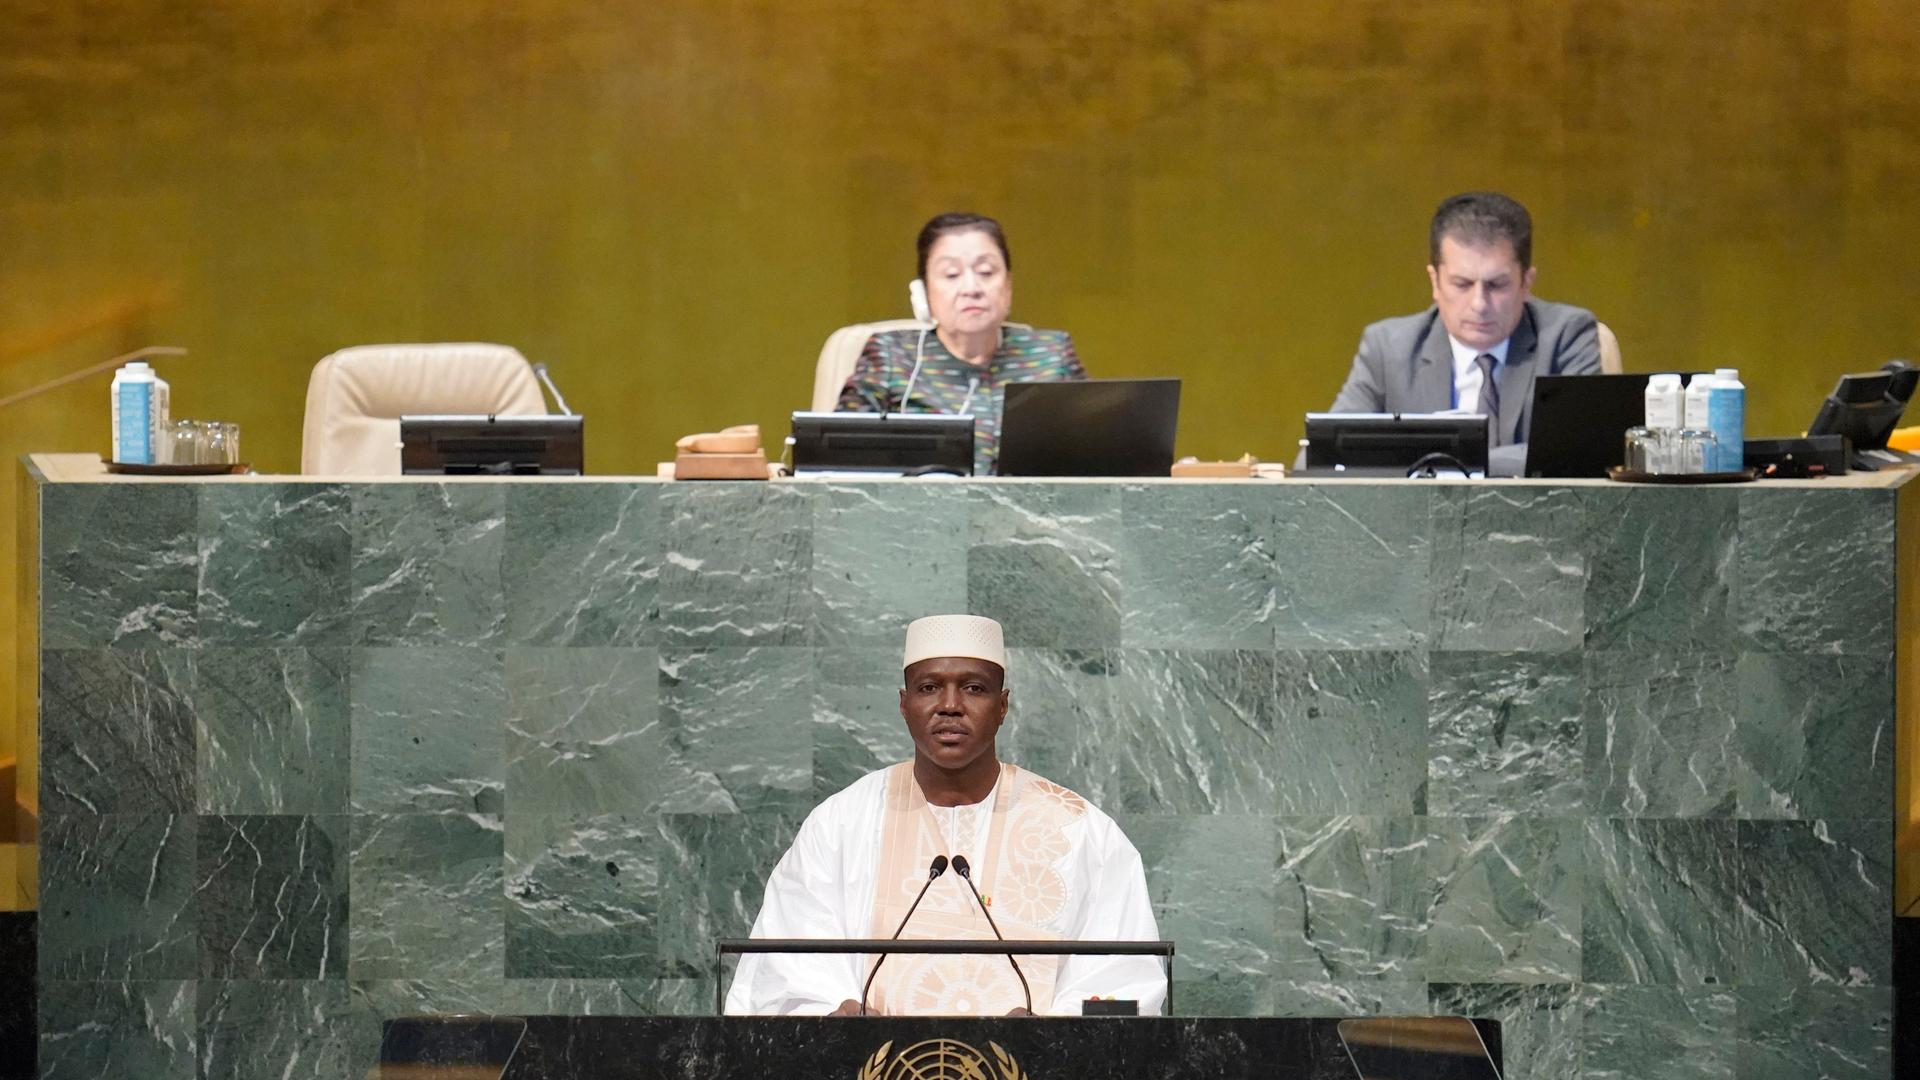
942,224
1482,218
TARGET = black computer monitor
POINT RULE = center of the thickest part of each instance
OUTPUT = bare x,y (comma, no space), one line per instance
1383,443
881,444
1866,407
1089,427
492,446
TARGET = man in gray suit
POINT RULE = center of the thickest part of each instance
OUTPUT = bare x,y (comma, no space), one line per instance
1479,346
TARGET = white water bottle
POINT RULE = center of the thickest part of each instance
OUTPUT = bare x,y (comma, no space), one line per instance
1727,419
1695,413
135,400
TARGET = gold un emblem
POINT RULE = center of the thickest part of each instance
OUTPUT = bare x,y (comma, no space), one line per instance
941,1059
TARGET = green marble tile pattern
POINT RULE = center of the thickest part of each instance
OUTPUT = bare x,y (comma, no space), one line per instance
96,1028
1505,734
117,897
118,565
272,731
856,713
1043,559
275,564
737,563
1347,997
1609,764
1813,900
1801,566
1350,735
1815,736
1659,568
1198,566
256,1029
1506,902
713,870
1659,902
884,555
583,894
426,564
739,722
1212,886
1352,899
1831,1032
1190,732
581,564
427,896
429,730
1541,1026
584,733
1660,734
272,896
1632,1032
1062,723
1353,566
1509,569
116,731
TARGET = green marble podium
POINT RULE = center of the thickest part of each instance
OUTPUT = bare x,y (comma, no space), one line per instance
1612,765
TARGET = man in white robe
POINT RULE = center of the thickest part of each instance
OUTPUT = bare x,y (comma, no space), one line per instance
1049,866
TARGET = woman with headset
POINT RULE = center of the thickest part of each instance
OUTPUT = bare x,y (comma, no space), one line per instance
960,362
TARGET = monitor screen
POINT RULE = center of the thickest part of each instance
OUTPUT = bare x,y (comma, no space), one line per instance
491,446
881,444
1389,441
1865,408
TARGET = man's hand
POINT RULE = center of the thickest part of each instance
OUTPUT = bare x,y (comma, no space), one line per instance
851,1007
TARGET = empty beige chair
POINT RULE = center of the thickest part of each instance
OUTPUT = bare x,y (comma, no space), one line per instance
356,397
1609,350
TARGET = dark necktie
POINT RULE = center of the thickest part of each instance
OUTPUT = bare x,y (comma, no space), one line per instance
1489,396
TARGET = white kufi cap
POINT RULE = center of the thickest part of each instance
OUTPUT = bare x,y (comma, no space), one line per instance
955,635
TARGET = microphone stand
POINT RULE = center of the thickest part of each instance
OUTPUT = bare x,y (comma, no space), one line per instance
934,870
966,874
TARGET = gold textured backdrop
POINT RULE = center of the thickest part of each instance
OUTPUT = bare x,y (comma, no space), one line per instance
673,203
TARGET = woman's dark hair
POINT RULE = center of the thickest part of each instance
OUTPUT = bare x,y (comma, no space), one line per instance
942,224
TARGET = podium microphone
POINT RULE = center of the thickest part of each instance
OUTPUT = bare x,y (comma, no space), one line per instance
960,867
934,870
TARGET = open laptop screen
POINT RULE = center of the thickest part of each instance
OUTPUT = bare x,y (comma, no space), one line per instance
1093,427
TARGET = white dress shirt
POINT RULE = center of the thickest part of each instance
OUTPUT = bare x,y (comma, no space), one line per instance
1466,373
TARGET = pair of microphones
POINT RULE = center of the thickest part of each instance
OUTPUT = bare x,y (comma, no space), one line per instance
934,870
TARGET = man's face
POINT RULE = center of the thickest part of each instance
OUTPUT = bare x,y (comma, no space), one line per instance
1481,290
953,706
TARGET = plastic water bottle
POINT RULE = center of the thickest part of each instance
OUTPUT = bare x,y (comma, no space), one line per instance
1697,416
1727,419
136,417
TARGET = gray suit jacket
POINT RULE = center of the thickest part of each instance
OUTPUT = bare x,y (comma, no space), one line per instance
1405,364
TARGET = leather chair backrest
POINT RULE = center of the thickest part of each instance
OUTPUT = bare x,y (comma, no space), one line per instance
841,352
1610,363
356,397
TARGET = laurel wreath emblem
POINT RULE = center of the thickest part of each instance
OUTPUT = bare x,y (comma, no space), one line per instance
877,1063
879,1067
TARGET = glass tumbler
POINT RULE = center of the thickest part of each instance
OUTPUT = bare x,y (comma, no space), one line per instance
221,445
1695,451
183,442
1642,450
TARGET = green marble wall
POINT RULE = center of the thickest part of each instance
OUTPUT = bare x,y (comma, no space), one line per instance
1613,765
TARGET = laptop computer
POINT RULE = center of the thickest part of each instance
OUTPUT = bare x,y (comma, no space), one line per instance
1095,427
1578,423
